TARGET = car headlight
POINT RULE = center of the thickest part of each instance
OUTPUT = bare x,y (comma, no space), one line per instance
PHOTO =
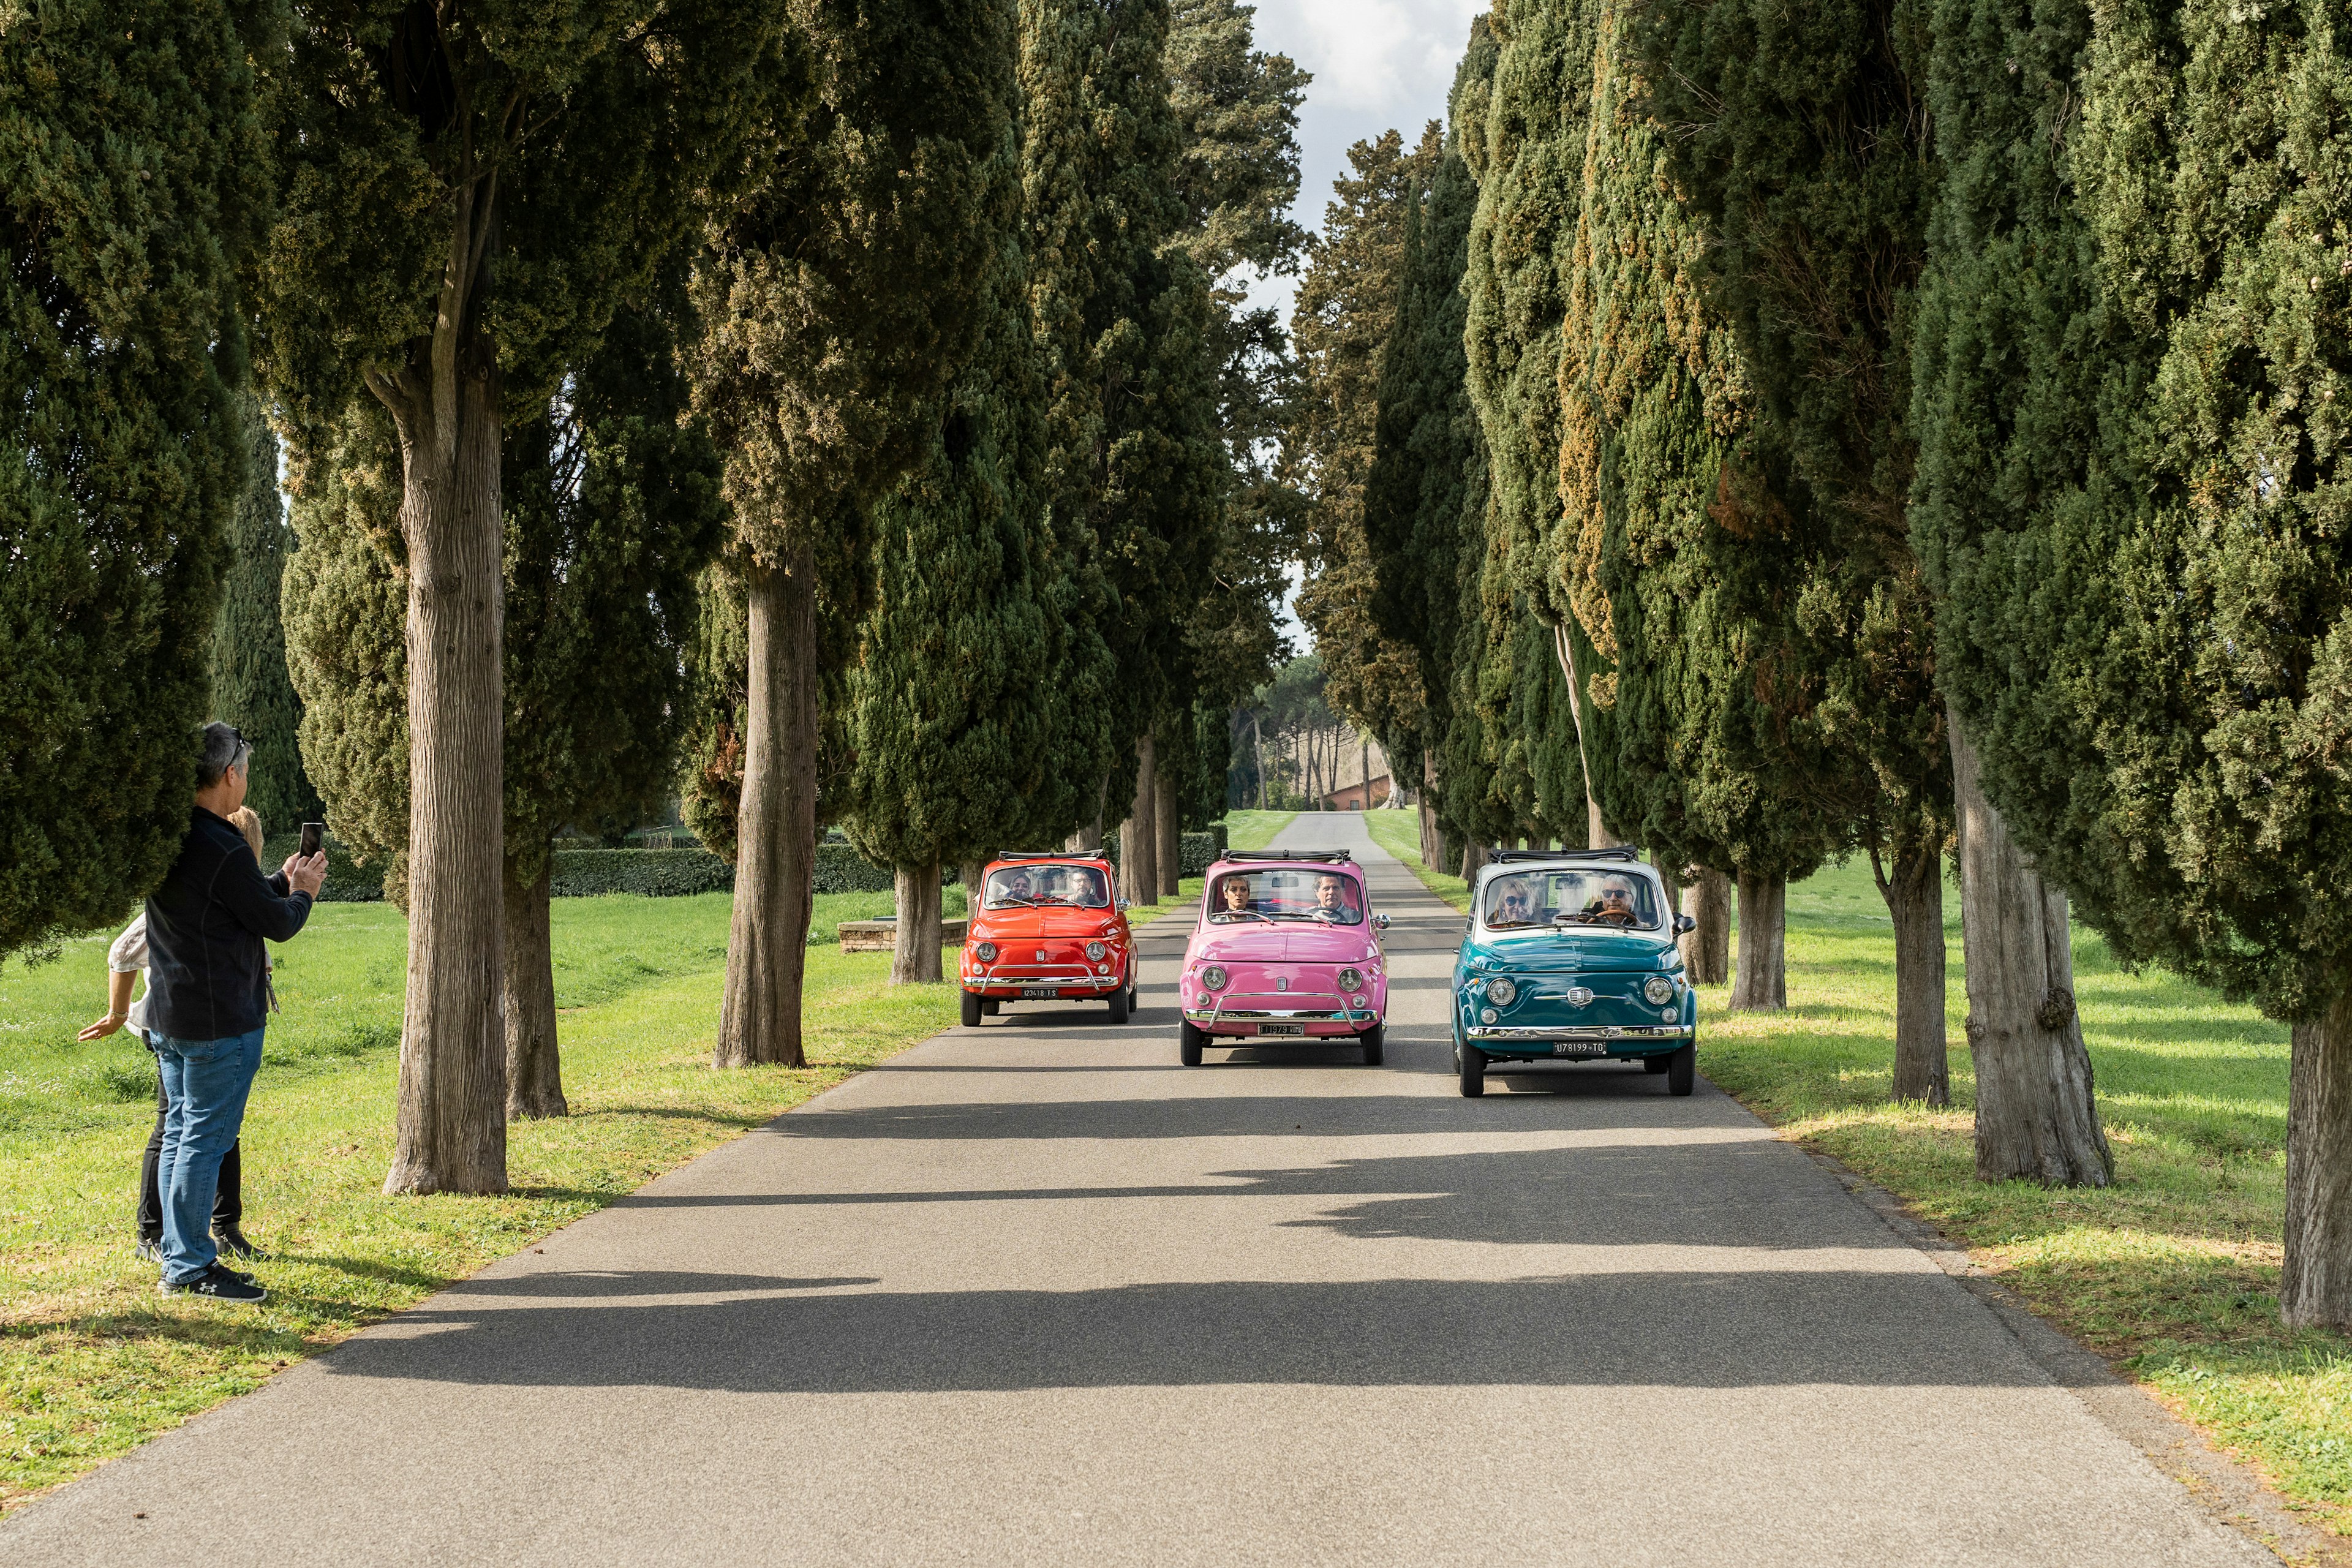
1659,990
1096,950
1502,991
1350,980
985,952
1213,978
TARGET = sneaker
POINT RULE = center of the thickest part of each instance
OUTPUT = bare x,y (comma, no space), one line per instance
221,1284
148,1250
232,1242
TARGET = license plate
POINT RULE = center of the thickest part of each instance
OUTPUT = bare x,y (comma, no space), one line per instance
1038,993
1579,1049
1294,1029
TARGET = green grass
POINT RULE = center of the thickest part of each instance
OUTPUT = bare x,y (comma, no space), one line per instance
2172,1272
1254,829
92,1362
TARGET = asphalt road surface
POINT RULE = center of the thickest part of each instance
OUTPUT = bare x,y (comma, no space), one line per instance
1033,1293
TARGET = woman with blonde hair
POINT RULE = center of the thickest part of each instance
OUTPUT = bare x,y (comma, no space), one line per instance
126,962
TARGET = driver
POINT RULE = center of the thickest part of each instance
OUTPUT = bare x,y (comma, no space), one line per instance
1327,905
1616,902
1235,892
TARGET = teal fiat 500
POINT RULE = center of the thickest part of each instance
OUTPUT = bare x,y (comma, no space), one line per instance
1571,955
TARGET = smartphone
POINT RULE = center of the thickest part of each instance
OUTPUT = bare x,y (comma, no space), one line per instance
314,834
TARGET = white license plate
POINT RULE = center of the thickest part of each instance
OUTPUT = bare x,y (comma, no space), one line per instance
1579,1049
1293,1029
1034,992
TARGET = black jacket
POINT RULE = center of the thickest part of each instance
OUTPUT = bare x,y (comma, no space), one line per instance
207,977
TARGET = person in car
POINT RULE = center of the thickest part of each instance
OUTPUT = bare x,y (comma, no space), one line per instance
1233,897
1615,905
1327,905
1514,907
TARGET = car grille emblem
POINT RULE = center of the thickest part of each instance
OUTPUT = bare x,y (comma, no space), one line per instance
1040,955
1579,995
1283,984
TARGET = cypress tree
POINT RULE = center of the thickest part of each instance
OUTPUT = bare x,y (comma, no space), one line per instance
610,511
251,688
564,153
948,718
2132,355
1529,160
839,300
131,186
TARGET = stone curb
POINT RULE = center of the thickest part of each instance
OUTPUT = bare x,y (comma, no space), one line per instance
2229,1491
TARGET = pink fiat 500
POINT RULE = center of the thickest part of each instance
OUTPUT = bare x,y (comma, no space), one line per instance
1287,948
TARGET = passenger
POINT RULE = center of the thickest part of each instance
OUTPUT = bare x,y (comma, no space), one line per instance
1513,907
1235,892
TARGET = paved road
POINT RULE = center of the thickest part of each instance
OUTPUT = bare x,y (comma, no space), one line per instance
1033,1293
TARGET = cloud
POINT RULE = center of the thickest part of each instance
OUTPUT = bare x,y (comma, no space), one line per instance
1393,59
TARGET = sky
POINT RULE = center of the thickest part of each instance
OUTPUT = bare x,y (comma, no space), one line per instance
1376,64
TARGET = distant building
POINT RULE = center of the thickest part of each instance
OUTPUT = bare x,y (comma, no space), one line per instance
1362,796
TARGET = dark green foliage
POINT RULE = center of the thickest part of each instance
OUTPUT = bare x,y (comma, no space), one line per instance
1801,154
251,688
612,508
131,185
2135,352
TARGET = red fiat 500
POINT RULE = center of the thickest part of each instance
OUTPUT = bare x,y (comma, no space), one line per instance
1048,928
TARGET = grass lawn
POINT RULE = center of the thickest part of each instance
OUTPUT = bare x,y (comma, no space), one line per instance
1254,829
2172,1272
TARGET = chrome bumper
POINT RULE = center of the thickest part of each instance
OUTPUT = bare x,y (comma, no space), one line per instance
1346,1013
1630,1034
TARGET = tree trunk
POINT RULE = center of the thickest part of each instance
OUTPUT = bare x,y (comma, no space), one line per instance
1671,874
776,860
1915,900
1364,763
1473,855
1432,842
2037,1117
1707,947
1139,847
1596,832
1257,752
1760,985
1168,818
534,1067
2315,1290
1089,838
450,1127
915,948
971,873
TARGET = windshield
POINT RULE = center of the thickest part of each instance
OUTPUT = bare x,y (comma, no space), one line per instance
1019,886
1331,898
1578,898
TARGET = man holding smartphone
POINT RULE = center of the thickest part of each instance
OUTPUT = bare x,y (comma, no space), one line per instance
207,1000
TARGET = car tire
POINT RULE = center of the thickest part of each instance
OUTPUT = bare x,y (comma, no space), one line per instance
970,1011
1657,1064
1375,1044
1682,1070
1118,1000
1473,1063
1189,1041
988,1007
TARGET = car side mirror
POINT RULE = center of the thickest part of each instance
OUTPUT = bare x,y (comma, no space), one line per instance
1685,925
1123,905
1382,922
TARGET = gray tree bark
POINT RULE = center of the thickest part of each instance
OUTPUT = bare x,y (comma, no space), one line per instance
1914,900
1707,949
1168,820
1138,842
1474,854
534,1067
915,948
971,873
1596,832
775,859
449,1120
1257,751
2037,1117
1760,985
1432,842
2316,1289
1671,876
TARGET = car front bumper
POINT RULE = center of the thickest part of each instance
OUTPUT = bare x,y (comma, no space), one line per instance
1611,1039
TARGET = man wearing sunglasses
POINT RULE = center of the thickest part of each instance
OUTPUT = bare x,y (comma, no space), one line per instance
207,998
1616,903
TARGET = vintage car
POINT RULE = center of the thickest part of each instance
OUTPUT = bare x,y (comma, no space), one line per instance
1287,947
1048,927
1570,954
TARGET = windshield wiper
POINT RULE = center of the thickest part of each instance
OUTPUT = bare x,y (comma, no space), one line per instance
1010,898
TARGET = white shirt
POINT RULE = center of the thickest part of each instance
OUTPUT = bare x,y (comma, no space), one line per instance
128,955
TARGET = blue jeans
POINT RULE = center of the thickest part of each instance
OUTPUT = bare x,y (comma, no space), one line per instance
207,1082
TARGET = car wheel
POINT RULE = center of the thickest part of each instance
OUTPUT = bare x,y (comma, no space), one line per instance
1118,1000
1657,1064
970,1011
988,1007
1473,1063
1189,1041
1682,1070
1375,1041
